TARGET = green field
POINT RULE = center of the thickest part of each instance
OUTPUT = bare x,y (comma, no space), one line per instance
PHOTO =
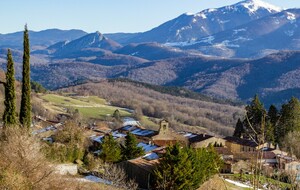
90,107
145,121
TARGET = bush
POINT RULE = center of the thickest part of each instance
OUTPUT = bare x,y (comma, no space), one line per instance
91,163
22,165
69,144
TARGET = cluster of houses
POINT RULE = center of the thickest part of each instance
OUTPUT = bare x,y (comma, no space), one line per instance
239,155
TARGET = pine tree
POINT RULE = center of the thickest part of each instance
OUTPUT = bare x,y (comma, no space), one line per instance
272,125
25,111
110,149
186,168
131,150
273,115
9,116
239,129
269,132
290,118
254,116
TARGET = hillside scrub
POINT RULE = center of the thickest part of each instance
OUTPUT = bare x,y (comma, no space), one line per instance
218,118
22,164
69,144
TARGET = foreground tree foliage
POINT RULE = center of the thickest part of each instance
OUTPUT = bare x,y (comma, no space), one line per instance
25,110
23,166
110,149
186,168
9,116
131,150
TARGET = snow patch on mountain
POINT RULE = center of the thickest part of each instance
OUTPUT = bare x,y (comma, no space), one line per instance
254,5
208,39
239,30
201,15
223,21
291,17
228,43
180,44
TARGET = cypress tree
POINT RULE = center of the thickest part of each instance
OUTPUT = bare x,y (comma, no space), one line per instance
9,116
25,111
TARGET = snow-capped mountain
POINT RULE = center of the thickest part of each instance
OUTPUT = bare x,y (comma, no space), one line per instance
272,33
191,27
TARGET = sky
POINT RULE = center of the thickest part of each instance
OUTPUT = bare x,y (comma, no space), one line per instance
106,16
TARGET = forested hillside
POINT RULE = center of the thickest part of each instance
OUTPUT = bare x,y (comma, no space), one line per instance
180,111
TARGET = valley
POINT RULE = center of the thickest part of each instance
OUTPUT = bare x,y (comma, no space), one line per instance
201,52
202,100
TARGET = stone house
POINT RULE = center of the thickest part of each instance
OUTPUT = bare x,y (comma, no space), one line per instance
237,145
166,136
204,140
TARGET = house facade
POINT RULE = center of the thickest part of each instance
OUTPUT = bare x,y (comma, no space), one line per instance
238,145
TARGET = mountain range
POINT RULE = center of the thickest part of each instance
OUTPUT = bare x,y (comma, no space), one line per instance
232,52
192,27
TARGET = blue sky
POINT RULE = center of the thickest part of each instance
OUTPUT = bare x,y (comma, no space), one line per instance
106,16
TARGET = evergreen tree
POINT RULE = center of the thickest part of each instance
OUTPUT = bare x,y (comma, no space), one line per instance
111,151
117,115
254,117
131,150
273,115
9,116
272,125
239,129
25,111
37,87
290,118
185,168
269,132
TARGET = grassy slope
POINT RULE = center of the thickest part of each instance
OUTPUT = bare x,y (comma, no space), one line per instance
89,106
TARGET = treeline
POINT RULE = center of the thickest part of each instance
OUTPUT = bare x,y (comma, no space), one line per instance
181,112
272,125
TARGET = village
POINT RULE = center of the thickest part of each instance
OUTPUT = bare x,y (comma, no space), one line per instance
240,156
